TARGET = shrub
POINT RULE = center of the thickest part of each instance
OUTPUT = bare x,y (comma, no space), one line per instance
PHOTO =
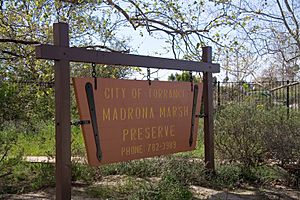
282,137
252,134
8,159
239,133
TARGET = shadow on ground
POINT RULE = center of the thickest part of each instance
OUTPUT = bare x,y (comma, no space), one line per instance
200,193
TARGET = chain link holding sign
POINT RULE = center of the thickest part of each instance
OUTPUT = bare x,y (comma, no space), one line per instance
131,119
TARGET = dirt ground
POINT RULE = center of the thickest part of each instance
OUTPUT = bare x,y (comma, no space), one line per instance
200,193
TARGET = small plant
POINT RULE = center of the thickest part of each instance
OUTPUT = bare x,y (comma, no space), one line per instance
170,187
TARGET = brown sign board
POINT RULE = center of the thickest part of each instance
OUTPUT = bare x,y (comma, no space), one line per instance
131,119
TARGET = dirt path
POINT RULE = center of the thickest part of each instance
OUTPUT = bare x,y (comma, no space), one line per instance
200,193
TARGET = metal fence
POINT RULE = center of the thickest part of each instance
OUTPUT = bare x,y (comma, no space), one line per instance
276,93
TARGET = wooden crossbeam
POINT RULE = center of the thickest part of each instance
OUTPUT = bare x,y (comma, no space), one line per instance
76,54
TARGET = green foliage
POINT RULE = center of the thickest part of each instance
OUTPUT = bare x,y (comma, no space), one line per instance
139,168
184,76
123,189
171,188
186,170
84,173
282,137
235,175
240,133
8,140
24,92
40,140
167,188
28,177
252,134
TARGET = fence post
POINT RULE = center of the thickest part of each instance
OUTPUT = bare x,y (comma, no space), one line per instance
219,95
288,98
208,111
62,116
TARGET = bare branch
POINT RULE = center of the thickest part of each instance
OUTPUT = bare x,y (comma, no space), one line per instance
124,13
11,53
286,24
107,48
293,16
19,41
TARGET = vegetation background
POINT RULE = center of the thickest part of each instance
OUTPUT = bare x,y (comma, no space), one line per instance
256,144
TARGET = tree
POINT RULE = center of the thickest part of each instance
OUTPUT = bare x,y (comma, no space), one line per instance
251,32
272,31
184,76
26,23
186,25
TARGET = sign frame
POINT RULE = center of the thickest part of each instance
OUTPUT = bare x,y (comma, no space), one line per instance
63,54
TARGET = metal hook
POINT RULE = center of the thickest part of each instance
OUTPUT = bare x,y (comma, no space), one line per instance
94,75
148,76
191,80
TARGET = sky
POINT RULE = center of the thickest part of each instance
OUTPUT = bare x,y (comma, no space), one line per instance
151,46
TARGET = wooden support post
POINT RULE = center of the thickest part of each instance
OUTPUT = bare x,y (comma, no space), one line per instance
62,116
208,111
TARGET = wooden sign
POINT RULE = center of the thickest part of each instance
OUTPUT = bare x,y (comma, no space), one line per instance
131,119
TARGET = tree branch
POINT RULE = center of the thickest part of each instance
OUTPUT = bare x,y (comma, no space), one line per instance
19,41
107,48
286,23
124,13
293,16
11,53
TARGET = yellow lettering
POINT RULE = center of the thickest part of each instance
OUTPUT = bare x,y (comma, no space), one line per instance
171,94
115,114
117,92
106,93
125,133
137,113
166,130
144,113
165,94
131,150
106,114
140,133
153,132
160,92
133,134
130,113
180,113
169,113
147,133
172,130
122,114
186,111
174,111
160,131
123,93
151,114
162,112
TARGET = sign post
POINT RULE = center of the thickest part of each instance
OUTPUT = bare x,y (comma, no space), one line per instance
62,116
62,54
208,112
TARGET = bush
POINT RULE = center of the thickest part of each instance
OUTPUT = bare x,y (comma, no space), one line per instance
282,137
251,134
8,160
239,133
